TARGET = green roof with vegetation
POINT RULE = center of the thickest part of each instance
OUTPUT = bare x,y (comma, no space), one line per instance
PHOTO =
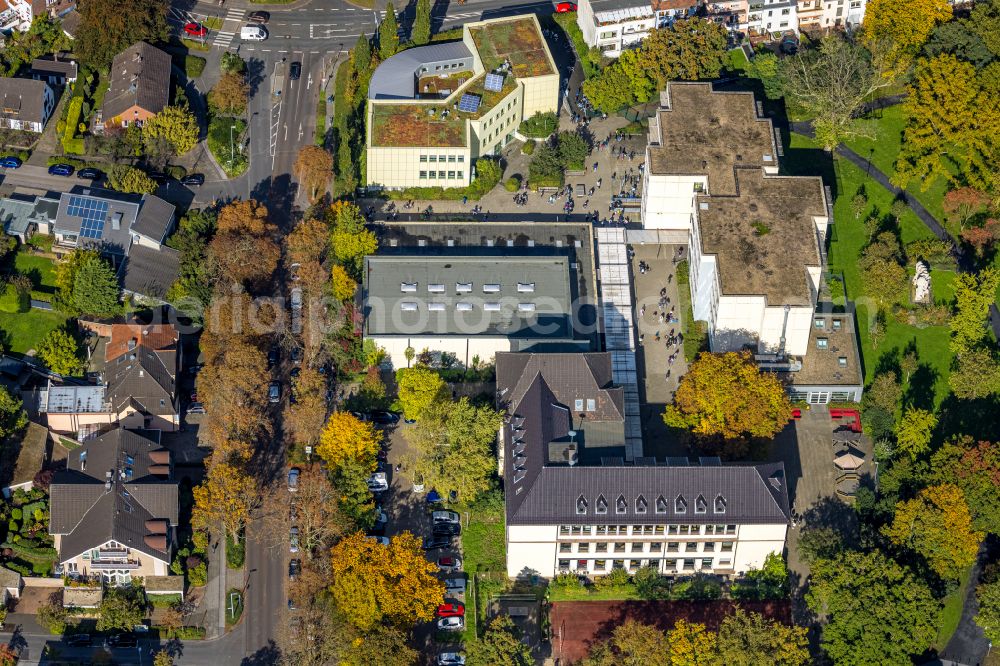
519,41
414,126
489,98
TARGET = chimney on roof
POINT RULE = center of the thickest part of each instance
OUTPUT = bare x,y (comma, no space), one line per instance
132,342
160,457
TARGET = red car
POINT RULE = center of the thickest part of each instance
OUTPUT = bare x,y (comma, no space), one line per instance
564,7
196,29
451,610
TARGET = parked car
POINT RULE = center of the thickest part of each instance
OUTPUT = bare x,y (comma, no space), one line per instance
273,356
445,517
292,606
121,641
196,408
294,569
274,392
450,610
193,179
158,176
381,518
385,418
80,640
378,482
449,564
447,529
293,540
296,355
10,162
454,586
296,298
60,170
790,45
451,624
195,29
293,479
295,71
436,541
451,659
259,17
90,173
564,7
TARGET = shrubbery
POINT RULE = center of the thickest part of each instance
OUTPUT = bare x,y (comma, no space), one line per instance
540,126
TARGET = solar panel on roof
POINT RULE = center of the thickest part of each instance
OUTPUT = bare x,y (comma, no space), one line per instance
93,213
469,103
494,82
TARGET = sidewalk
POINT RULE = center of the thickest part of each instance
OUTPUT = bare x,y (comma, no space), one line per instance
212,613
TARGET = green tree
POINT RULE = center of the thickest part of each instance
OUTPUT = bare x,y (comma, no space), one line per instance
573,150
52,615
120,609
388,33
913,434
125,178
765,67
421,32
768,582
902,27
12,416
750,638
95,288
361,54
350,240
59,352
988,617
454,445
975,468
884,392
973,295
985,22
106,29
831,84
820,543
229,95
960,39
727,395
546,166
356,502
191,239
500,644
419,388
937,525
977,374
884,277
879,612
232,63
176,126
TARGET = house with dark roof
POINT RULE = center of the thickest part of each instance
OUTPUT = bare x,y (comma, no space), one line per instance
114,509
573,505
140,86
53,70
25,104
128,229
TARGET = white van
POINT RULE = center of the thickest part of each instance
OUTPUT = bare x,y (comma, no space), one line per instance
253,33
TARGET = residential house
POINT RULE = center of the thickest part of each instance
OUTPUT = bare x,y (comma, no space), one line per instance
615,25
573,505
26,212
140,86
433,110
54,71
15,15
114,509
25,104
130,230
771,18
467,307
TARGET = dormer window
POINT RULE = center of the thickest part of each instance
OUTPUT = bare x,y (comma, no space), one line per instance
720,504
680,504
581,505
700,504
602,504
621,506
641,504
661,504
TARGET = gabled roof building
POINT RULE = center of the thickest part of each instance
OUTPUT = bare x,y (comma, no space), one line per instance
572,504
140,86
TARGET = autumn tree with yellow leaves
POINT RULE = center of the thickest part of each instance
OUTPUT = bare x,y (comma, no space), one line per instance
374,583
228,495
903,26
347,438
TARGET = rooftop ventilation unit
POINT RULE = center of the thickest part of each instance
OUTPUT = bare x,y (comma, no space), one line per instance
408,307
435,288
525,307
525,287
463,287
408,287
491,288
491,307
435,307
464,307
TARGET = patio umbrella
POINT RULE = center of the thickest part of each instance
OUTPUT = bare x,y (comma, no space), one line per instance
850,459
846,436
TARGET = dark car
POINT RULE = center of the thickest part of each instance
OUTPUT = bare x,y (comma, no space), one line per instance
121,641
259,17
193,179
273,356
60,170
385,418
436,541
158,176
80,640
296,355
10,162
296,371
90,173
295,71
274,392
446,529
294,569
790,45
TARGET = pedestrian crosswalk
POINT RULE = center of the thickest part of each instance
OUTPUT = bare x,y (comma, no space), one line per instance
230,26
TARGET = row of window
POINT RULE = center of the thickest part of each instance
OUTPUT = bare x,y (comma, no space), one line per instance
433,159
669,565
641,504
654,547
442,175
645,530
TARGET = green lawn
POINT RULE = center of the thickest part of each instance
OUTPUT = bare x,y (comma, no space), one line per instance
23,331
848,237
42,272
592,593
952,612
483,551
883,149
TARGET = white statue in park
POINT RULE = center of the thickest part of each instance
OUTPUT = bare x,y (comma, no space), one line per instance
922,283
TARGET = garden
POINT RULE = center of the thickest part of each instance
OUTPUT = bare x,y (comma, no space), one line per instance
27,547
31,272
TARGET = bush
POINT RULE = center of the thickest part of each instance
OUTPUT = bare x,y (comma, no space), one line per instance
513,184
176,171
565,581
233,162
699,588
16,513
613,578
932,250
235,552
163,600
183,633
70,143
528,147
198,576
13,526
193,66
540,126
18,567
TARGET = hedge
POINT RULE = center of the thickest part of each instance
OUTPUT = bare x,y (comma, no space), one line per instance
32,553
69,142
29,509
22,569
235,552
163,600
184,633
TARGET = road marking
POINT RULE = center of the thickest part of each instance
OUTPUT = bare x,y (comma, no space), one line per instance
265,50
